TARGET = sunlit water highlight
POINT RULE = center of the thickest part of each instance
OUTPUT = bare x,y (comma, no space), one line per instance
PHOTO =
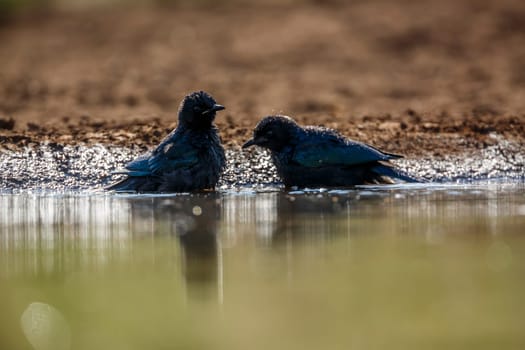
393,267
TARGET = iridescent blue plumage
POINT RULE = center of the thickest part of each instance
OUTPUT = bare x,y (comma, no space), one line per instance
316,157
190,158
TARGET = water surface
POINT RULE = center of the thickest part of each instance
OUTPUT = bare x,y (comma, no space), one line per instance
393,267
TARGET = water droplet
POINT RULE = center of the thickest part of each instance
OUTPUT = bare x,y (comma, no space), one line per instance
197,211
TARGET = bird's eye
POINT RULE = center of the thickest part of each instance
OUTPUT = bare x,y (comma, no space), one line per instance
269,133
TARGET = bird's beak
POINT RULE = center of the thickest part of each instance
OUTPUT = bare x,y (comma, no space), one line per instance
249,143
215,108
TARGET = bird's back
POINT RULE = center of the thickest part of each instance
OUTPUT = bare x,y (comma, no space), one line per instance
322,157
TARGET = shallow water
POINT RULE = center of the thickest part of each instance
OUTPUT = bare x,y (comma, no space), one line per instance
392,267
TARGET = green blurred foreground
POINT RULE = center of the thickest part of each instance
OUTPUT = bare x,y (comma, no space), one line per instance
402,268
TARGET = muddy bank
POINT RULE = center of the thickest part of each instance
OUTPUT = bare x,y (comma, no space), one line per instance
380,70
435,81
409,134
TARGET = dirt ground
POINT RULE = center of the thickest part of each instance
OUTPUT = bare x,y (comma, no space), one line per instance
416,77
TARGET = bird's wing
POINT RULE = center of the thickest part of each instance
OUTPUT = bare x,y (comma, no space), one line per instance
173,154
337,152
137,167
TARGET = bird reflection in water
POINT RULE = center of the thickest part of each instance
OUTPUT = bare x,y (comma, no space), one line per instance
193,220
307,217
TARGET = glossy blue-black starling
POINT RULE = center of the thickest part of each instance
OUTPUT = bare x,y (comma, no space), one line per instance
190,158
319,157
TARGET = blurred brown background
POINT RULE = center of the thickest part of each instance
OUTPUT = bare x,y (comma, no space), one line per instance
382,71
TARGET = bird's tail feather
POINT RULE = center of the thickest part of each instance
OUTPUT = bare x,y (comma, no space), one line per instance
395,174
130,184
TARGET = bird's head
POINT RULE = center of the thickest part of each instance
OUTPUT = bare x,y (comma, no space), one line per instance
198,110
273,132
